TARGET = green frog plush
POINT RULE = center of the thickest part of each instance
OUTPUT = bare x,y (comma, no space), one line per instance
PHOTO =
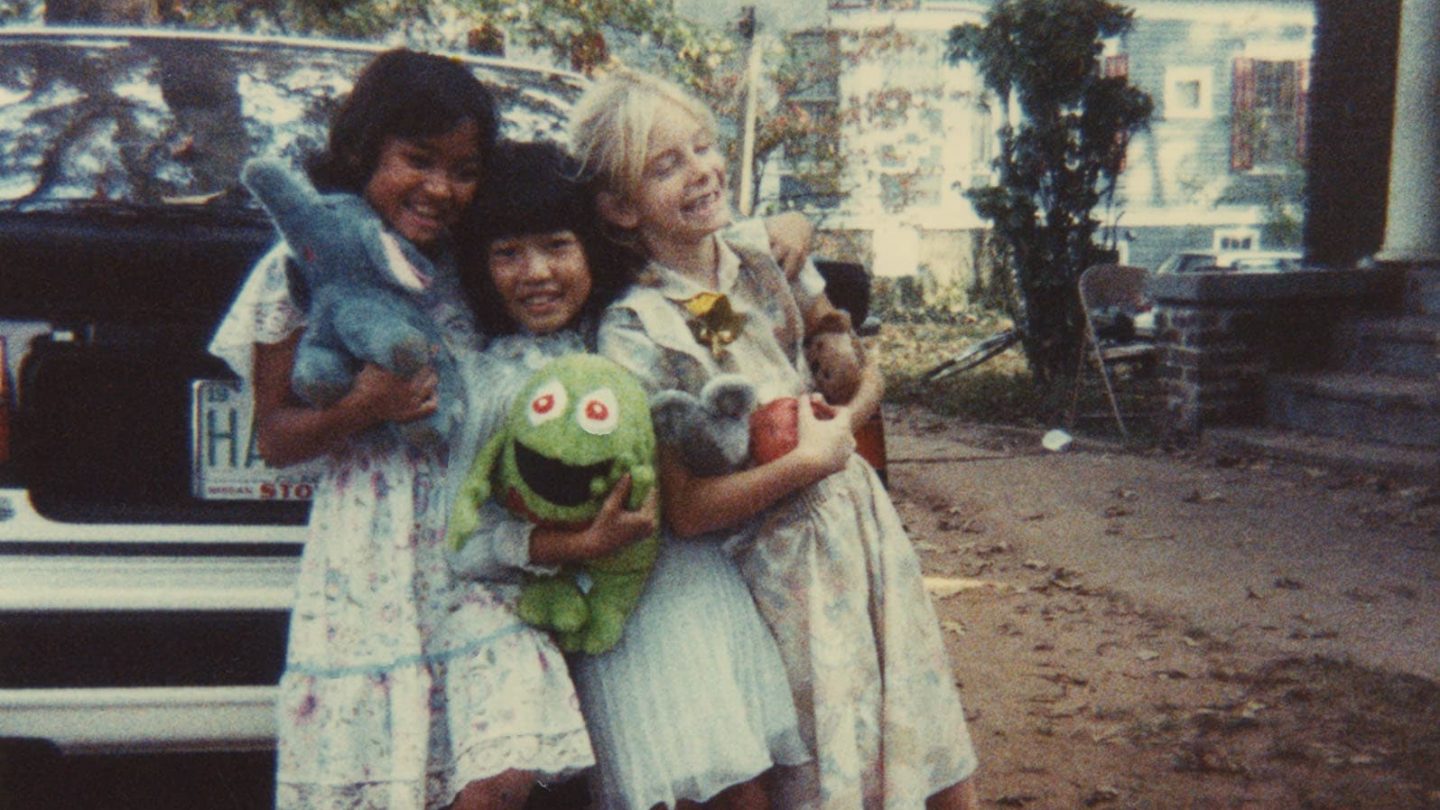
579,424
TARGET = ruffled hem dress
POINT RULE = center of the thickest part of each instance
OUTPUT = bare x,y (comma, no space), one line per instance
830,567
694,698
403,682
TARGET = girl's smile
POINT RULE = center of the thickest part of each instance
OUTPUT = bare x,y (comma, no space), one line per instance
543,279
420,185
682,198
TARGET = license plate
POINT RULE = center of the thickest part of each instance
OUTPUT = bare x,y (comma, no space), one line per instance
225,461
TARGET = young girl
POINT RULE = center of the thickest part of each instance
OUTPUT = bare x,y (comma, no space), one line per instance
815,533
404,687
692,705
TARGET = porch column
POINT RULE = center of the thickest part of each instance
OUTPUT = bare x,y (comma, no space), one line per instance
1412,220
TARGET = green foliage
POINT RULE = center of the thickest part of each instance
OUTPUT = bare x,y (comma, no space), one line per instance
1060,162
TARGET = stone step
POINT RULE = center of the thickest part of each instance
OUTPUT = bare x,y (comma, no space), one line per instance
1363,407
1409,464
1398,345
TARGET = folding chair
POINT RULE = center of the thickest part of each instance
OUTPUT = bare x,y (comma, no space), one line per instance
1118,291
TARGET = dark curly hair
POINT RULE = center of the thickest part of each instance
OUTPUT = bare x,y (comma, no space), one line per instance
535,188
401,94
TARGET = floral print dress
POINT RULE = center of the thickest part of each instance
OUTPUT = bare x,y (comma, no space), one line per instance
403,683
830,567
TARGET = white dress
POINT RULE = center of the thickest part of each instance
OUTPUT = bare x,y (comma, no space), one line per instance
694,698
830,567
403,683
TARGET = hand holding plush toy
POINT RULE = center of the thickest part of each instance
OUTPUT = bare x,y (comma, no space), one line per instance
365,286
835,356
578,426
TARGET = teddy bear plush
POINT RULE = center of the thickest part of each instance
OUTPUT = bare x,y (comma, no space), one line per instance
579,424
364,285
835,356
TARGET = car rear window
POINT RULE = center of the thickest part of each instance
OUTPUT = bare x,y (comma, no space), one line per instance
160,120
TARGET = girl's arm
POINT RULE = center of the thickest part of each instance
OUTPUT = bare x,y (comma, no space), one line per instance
789,235
704,504
614,528
866,401
290,432
507,544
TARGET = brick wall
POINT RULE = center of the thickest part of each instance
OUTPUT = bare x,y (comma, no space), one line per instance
1220,334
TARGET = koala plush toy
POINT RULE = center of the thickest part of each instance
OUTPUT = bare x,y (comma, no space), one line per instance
366,286
835,356
712,431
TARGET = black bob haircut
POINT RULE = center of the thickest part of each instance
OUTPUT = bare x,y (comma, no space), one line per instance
535,188
401,94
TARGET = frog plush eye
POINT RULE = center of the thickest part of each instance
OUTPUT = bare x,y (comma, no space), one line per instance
548,403
599,412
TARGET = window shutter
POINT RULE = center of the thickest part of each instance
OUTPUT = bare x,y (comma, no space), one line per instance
1242,104
1302,93
1117,66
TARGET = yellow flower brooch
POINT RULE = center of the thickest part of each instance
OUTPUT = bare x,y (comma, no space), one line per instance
714,322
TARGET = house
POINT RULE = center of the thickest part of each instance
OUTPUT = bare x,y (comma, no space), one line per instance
1220,167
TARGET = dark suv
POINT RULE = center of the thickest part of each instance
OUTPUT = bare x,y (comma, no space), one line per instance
146,554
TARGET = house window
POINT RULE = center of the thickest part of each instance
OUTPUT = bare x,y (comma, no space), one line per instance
1233,239
1267,127
1188,92
810,162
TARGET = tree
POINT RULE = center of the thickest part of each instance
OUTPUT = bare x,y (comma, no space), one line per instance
1059,162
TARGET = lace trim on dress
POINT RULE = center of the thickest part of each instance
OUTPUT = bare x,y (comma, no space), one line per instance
263,312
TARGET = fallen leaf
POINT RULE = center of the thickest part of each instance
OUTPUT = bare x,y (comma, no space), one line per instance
1106,733
958,628
1146,655
942,587
1197,496
1101,795
1035,565
1067,709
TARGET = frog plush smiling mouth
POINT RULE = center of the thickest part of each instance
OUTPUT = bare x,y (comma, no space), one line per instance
577,427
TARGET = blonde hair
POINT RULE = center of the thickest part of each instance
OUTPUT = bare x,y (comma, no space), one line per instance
610,125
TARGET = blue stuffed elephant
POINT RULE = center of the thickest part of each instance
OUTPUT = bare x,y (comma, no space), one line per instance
366,287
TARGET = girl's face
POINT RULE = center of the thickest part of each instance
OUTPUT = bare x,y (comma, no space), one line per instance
682,196
420,185
543,278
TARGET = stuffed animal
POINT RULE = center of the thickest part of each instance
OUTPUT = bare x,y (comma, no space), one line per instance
835,356
364,285
723,430
579,424
712,431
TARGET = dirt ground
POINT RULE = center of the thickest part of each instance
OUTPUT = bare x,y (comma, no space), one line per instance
1153,630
